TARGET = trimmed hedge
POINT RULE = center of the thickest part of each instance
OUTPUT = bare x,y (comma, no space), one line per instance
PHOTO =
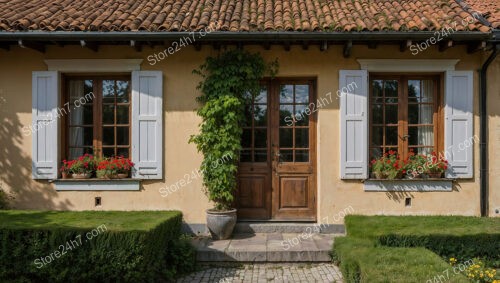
362,261
486,246
132,254
411,248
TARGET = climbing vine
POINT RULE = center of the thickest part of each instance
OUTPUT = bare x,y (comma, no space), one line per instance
228,83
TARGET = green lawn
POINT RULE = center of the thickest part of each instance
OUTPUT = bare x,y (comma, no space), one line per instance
364,256
114,220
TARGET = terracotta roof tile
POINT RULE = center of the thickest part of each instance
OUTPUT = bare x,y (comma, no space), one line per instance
490,10
242,15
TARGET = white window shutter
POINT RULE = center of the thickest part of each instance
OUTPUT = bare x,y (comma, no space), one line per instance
353,91
459,136
44,130
147,124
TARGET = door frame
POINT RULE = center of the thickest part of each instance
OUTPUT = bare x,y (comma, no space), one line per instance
258,170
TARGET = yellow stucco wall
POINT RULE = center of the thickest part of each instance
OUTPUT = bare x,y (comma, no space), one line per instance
180,121
494,136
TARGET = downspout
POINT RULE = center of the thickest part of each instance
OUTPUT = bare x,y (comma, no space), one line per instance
483,132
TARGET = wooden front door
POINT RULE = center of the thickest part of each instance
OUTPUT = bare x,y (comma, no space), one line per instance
277,174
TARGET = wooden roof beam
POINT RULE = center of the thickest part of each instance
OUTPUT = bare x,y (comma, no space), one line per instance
475,47
286,45
323,46
92,46
347,49
405,45
445,45
31,45
136,45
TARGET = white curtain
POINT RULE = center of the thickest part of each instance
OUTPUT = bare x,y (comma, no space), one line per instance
425,134
76,89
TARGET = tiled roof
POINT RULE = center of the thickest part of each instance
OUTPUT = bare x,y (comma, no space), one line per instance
490,10
233,15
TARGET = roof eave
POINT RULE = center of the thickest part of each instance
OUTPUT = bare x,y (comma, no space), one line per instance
239,36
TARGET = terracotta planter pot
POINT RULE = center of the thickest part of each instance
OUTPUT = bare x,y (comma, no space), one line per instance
81,176
65,175
434,175
121,176
379,175
221,223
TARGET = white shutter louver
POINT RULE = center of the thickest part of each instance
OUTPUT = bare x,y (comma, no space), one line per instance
459,136
44,130
353,124
147,124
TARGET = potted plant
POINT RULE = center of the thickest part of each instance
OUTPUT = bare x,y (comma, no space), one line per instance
415,165
114,168
83,167
388,166
226,82
435,165
123,168
106,169
65,169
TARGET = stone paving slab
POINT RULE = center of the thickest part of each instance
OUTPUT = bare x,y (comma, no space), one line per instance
267,272
266,247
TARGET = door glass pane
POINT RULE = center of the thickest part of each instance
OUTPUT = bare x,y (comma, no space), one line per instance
302,156
286,94
246,155
260,115
302,94
260,155
260,138
108,91
262,96
248,116
302,138
301,117
286,137
246,138
286,155
286,118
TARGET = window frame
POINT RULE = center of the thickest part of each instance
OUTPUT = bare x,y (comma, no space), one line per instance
403,119
97,109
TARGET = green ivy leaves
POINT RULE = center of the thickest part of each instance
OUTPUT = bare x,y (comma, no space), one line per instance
227,81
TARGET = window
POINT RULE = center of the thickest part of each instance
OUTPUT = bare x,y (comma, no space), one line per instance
98,116
405,114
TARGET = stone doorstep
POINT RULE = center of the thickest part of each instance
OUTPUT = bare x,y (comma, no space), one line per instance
266,247
250,227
